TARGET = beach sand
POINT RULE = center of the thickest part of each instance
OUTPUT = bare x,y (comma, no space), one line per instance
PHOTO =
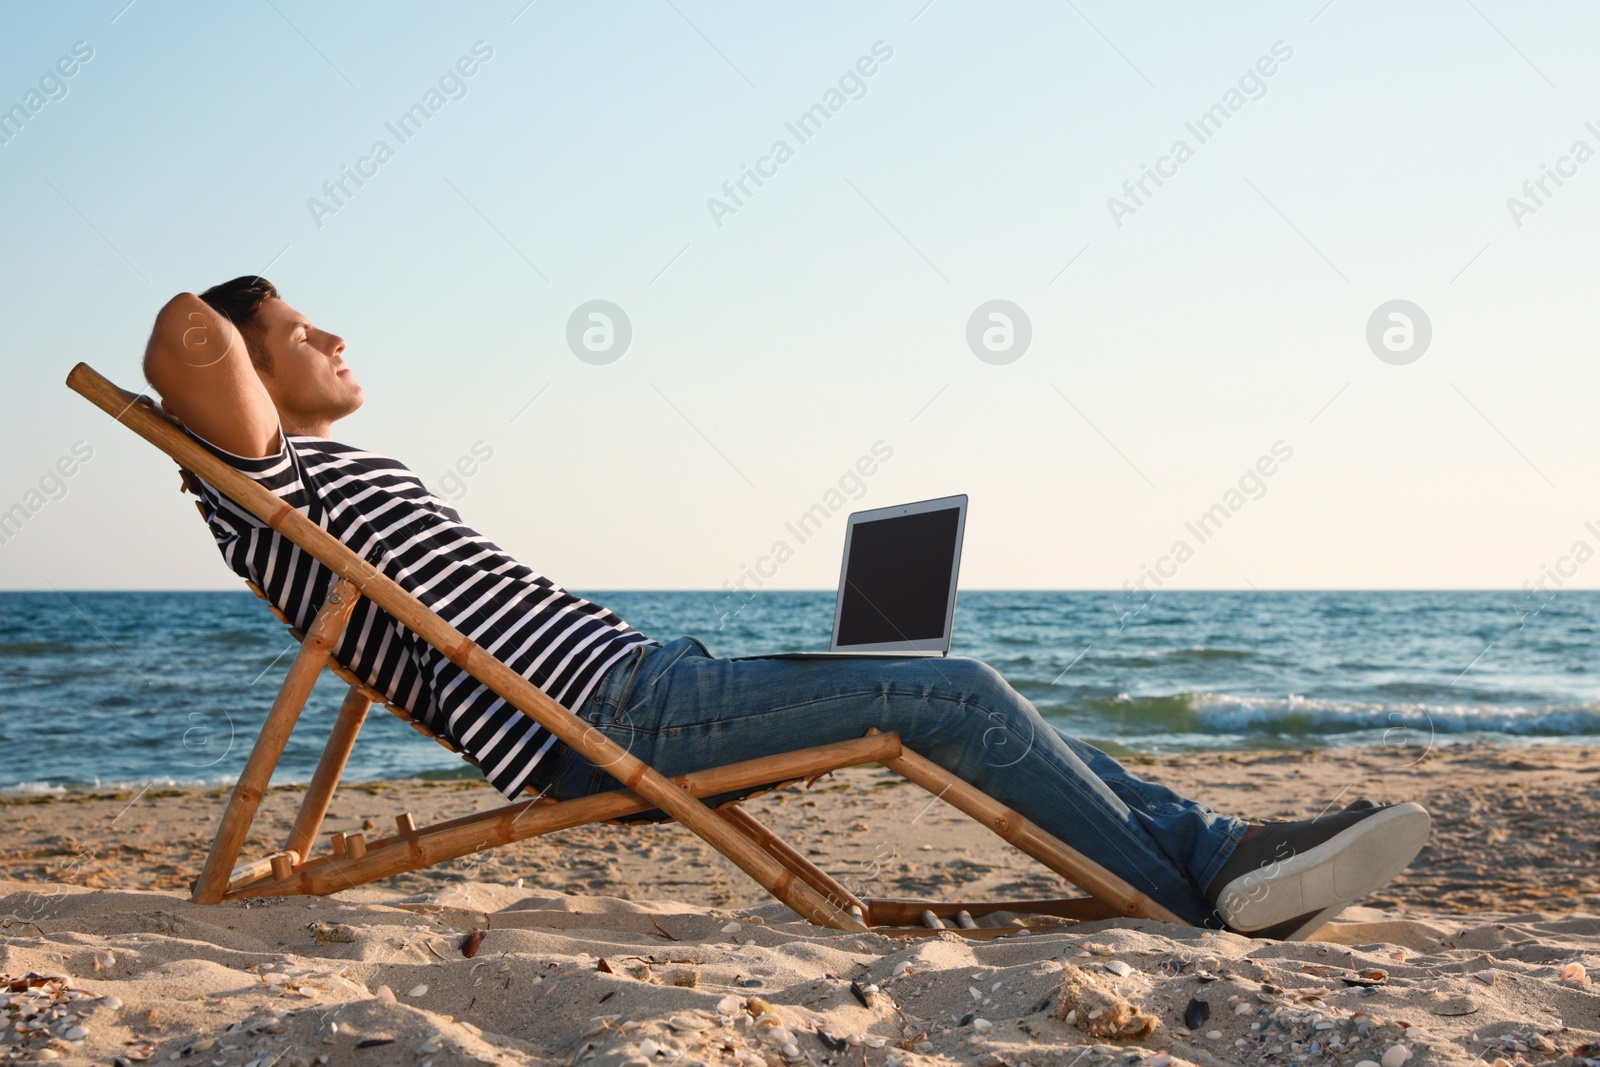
1479,952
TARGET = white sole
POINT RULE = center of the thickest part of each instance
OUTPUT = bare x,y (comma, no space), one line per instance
1330,877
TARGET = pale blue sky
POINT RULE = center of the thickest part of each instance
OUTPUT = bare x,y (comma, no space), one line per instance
830,312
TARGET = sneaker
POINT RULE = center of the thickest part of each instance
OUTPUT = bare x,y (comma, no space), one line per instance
1289,878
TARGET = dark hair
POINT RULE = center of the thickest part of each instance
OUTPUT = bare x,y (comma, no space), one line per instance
239,300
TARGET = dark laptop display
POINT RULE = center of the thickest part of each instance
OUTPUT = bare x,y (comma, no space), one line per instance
897,579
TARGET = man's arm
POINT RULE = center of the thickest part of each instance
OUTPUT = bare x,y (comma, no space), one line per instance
198,362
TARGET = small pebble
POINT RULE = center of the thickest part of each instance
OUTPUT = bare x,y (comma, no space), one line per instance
648,1048
111,1003
732,928
384,993
417,991
1395,1056
1214,1035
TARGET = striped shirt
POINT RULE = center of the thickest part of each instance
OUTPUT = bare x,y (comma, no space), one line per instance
381,511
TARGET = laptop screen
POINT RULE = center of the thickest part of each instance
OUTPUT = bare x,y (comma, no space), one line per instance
897,580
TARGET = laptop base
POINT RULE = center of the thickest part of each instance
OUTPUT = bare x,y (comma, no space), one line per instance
844,655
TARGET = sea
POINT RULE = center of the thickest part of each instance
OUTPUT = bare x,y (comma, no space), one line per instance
113,689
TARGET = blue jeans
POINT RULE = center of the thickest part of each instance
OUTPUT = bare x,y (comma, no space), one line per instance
680,709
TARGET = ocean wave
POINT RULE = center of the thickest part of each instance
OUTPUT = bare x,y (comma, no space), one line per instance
1222,713
1166,657
123,785
36,648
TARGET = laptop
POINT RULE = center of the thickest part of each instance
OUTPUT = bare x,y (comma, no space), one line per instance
897,582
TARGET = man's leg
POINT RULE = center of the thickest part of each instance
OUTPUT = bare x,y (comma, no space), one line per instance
681,710
1182,827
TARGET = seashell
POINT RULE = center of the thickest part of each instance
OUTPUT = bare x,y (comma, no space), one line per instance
975,992
77,1033
1196,1014
1486,977
111,1003
205,1044
1575,974
1367,1063
1214,1035
730,1004
1244,1007
1116,967
433,1044
417,991
833,1044
1395,1055
648,1048
384,993
1096,1013
791,1051
982,1026
757,1007
732,928
689,1022
1159,1058
768,1020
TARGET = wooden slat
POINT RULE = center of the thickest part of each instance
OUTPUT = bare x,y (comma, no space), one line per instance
900,912
784,853
330,765
217,874
1028,837
516,822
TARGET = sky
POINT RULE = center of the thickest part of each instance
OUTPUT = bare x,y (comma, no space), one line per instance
1226,343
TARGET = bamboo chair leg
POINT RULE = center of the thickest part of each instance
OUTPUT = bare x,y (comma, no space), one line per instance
319,794
784,853
1028,837
257,773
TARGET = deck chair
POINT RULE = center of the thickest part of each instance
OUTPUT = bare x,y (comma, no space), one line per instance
351,860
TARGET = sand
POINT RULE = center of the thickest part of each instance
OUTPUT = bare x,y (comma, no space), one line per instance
640,946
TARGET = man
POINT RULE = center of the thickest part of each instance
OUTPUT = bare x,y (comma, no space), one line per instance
261,387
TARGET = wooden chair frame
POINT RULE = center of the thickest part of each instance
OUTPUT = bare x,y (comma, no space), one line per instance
761,854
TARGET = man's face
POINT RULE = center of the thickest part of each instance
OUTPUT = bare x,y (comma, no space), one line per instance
309,381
